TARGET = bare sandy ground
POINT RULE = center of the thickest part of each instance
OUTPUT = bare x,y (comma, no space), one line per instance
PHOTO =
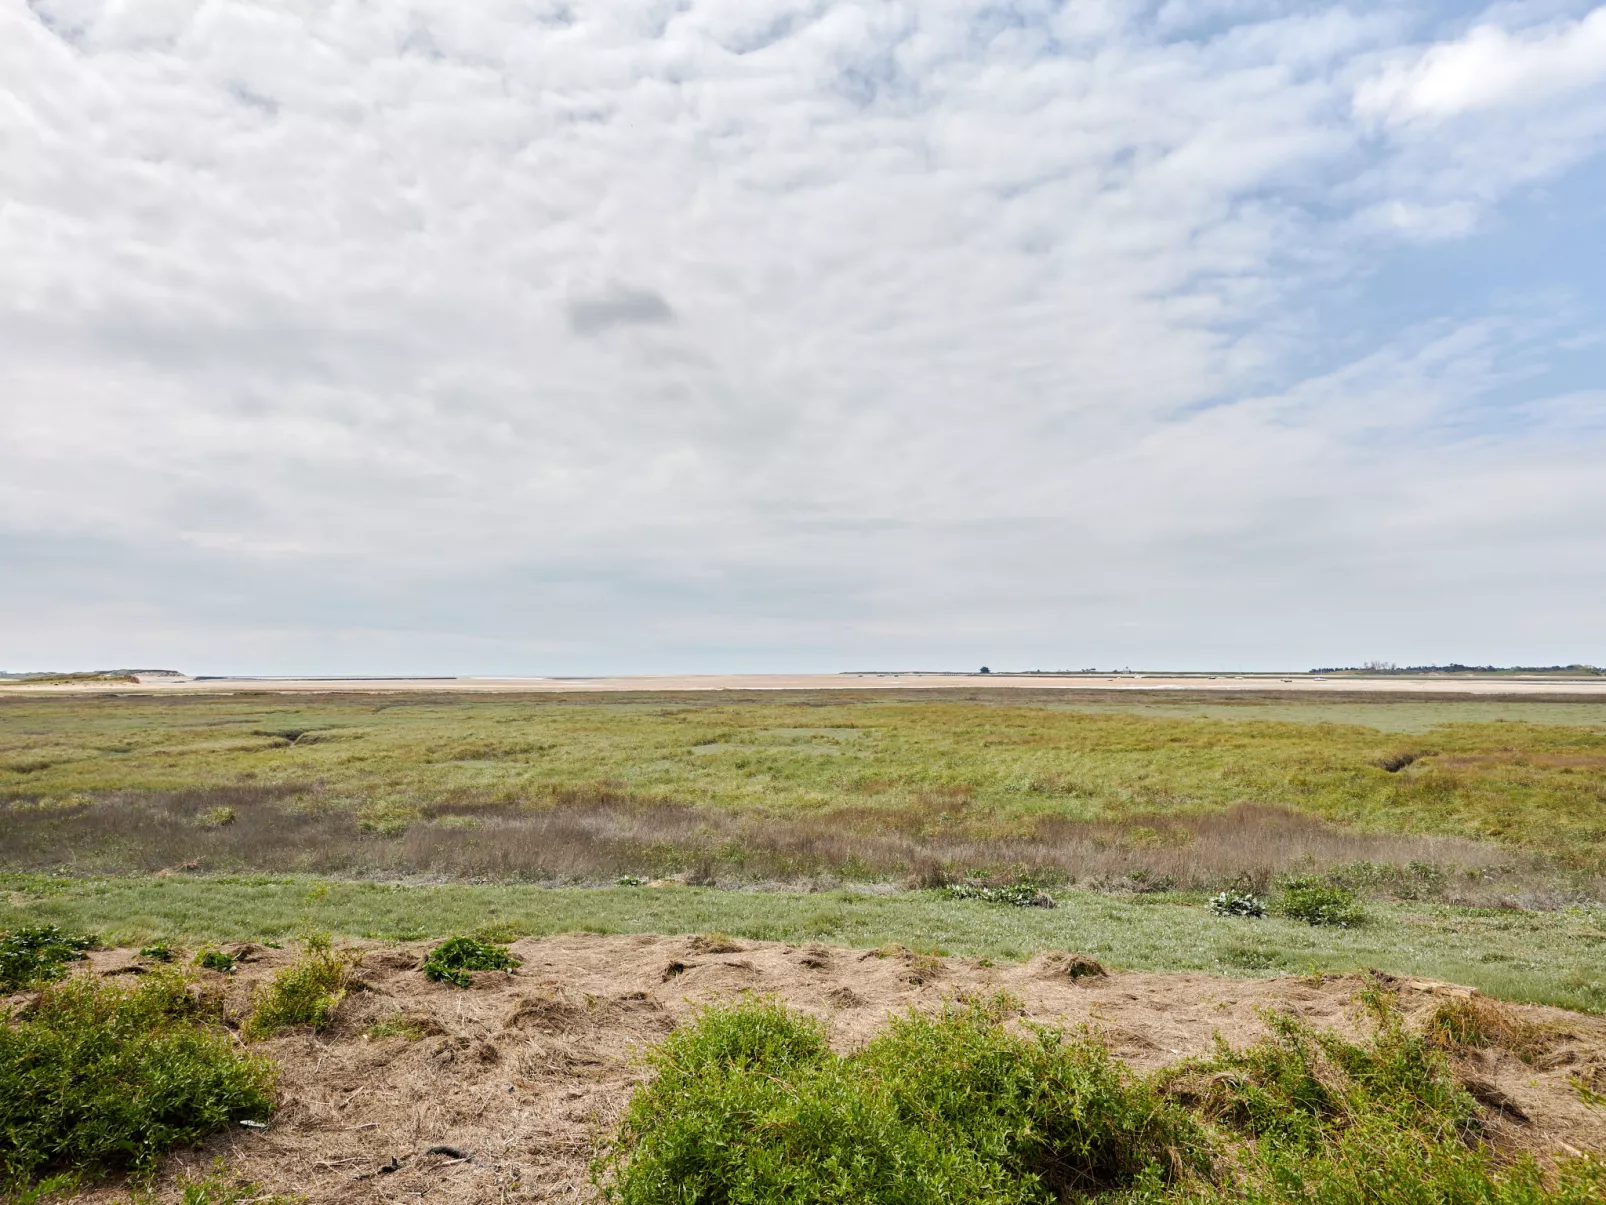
1295,683
514,1083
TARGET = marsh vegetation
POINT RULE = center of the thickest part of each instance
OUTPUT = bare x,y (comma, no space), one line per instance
1475,801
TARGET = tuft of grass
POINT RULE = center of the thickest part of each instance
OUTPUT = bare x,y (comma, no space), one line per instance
397,1026
158,951
217,817
750,1104
1318,903
455,959
38,954
97,1077
215,960
1475,1024
304,994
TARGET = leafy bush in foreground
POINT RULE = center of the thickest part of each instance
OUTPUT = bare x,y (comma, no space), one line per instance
97,1076
1318,1120
750,1105
456,958
305,993
38,955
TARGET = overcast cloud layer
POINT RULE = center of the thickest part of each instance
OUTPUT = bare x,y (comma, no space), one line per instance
545,337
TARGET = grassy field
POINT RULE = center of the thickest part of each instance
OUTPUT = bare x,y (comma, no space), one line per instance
1548,958
1191,790
1461,840
1469,826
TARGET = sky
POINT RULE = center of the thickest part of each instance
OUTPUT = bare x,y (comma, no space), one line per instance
574,337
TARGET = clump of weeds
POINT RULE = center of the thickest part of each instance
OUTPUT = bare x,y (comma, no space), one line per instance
306,993
38,955
98,1077
455,960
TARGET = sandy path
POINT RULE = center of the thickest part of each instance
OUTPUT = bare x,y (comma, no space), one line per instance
1590,688
526,1073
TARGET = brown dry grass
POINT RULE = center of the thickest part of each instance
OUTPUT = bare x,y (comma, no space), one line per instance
524,1075
598,834
1462,1026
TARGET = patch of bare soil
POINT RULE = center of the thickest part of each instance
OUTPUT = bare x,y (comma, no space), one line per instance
503,1092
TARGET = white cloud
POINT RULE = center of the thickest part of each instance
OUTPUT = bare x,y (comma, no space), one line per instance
789,327
1490,68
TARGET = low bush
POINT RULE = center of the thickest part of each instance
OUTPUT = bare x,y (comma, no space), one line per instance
304,994
750,1104
1318,903
1315,1119
454,960
157,952
215,960
38,955
1237,903
1020,895
98,1076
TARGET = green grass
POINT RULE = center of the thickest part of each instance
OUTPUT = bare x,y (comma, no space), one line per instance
304,994
749,1106
987,766
1550,958
97,1076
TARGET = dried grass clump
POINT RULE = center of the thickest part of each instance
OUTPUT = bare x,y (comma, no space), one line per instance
1477,1024
1058,964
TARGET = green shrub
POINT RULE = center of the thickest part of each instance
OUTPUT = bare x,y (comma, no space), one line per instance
750,1105
1237,903
157,952
306,993
98,1076
1325,1121
1318,903
456,958
1020,895
38,955
215,960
